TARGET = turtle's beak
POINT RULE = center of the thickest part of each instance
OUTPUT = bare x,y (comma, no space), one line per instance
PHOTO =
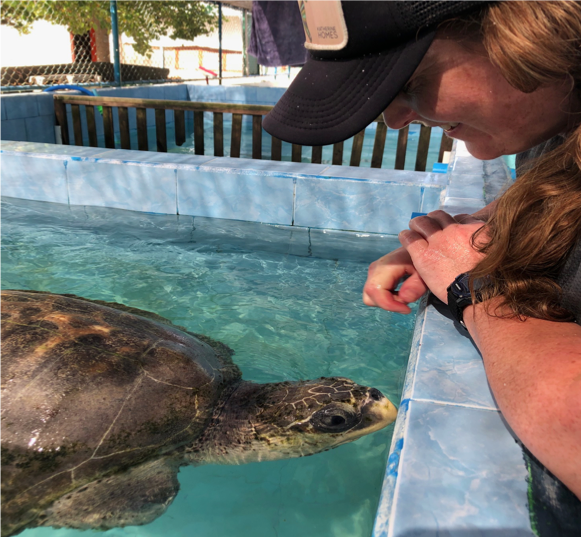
377,412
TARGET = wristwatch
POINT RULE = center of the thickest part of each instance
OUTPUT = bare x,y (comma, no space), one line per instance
459,297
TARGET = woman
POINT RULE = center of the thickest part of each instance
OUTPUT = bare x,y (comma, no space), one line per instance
504,78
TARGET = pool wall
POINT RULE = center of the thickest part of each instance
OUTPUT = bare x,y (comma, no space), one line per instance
454,467
29,117
284,193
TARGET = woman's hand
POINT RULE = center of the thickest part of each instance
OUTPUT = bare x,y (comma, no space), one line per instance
440,248
384,276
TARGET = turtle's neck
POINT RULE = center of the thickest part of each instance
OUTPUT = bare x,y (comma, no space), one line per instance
231,437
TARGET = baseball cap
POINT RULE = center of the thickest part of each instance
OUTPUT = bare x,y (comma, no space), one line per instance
361,54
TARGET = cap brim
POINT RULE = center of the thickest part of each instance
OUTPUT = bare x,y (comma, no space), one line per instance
330,101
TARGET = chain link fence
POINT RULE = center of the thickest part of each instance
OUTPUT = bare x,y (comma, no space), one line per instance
46,43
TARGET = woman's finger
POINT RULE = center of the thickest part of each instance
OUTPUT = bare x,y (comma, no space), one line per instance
408,237
425,225
443,218
412,289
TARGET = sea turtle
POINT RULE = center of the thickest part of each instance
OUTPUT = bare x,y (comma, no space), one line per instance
102,404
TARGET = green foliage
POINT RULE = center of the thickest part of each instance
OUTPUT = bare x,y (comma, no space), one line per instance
144,21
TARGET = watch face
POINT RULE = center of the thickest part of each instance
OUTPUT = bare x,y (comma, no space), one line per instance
460,286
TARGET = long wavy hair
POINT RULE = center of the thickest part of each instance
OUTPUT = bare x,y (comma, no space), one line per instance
537,222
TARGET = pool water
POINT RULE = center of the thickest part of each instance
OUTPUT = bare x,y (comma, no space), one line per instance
287,300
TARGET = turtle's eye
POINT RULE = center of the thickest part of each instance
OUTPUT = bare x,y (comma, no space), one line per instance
334,419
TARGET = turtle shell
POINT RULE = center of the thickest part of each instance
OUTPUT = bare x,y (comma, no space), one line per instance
92,388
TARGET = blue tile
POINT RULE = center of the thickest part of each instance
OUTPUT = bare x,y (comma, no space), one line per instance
136,187
225,194
431,199
462,205
13,129
20,106
9,145
40,129
175,93
141,92
392,176
449,368
193,92
45,104
157,91
2,109
440,167
461,473
179,159
467,165
34,178
268,166
269,95
152,157
355,205
53,149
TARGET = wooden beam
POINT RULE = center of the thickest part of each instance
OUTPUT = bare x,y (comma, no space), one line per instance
160,104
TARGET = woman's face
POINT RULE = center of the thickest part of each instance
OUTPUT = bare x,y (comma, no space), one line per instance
460,90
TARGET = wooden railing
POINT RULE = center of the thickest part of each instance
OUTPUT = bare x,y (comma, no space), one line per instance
218,109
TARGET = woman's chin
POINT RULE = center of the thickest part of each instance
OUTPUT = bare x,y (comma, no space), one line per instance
482,151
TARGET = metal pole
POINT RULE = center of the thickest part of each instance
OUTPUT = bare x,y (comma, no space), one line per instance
220,41
244,58
115,32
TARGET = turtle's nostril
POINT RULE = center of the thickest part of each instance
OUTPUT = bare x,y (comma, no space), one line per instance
375,394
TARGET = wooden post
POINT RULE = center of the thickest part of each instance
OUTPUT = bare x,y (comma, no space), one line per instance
257,137
338,154
297,153
180,126
91,126
124,127
402,145
317,154
199,133
141,116
423,147
445,145
218,134
60,111
160,133
108,127
236,139
379,145
77,127
357,149
276,149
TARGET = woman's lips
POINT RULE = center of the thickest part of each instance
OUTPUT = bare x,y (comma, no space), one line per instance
449,127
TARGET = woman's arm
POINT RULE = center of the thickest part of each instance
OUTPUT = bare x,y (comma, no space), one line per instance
534,371
534,367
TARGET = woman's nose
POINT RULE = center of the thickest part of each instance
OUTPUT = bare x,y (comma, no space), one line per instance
398,115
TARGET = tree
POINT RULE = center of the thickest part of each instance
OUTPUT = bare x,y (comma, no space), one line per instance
144,21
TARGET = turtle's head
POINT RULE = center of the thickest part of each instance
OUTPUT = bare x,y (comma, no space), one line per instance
292,419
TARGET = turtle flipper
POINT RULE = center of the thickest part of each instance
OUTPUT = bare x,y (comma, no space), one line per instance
137,496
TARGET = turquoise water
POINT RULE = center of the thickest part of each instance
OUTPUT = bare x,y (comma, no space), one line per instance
286,300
